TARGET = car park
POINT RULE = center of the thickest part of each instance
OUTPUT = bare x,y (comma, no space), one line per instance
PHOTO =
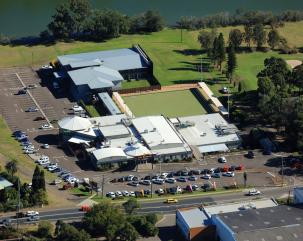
182,179
228,174
206,176
222,159
192,178
170,180
253,192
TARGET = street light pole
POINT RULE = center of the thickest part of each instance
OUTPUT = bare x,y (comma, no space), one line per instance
201,68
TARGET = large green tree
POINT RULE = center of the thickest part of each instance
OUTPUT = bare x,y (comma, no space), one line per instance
259,36
206,40
297,76
131,205
68,232
36,179
273,38
221,53
231,61
80,11
235,38
11,167
248,34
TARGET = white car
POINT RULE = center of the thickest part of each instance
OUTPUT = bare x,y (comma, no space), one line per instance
47,66
56,181
125,193
228,174
43,162
118,194
160,191
253,192
29,147
46,126
43,158
222,159
32,213
170,180
111,194
52,167
224,90
30,151
164,175
45,146
206,176
158,181
130,177
132,194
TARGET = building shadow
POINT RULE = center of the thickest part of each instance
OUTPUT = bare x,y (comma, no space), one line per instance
169,233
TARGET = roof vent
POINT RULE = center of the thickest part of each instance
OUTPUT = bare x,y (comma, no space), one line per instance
145,131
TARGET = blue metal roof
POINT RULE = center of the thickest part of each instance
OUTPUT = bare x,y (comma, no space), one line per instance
109,103
118,59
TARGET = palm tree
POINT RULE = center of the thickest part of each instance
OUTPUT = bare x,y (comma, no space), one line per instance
11,167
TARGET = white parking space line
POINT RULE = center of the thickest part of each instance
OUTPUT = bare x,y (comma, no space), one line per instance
269,173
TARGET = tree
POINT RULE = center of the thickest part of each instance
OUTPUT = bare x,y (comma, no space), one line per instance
36,179
45,229
265,86
127,232
42,180
131,205
231,61
206,39
273,38
214,51
152,218
154,22
297,76
259,36
221,50
68,232
11,167
236,38
80,10
62,25
245,178
248,34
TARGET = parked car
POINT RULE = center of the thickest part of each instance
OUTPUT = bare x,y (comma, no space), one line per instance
32,86
184,173
195,187
46,126
170,180
196,172
18,133
130,177
28,147
45,146
118,194
125,193
182,179
30,151
206,176
47,66
222,159
216,175
250,154
253,192
26,143
134,184
110,195
44,158
147,192
228,174
158,181
56,181
160,191
32,109
145,182
22,137
224,90
43,162
132,194
22,92
192,178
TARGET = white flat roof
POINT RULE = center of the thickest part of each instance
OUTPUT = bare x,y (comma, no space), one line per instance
107,120
74,123
156,131
108,152
79,139
112,131
205,131
193,217
234,207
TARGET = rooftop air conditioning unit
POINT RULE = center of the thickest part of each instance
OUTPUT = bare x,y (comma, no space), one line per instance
202,134
145,131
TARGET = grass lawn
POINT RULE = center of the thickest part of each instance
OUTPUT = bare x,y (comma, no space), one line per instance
171,104
135,84
174,61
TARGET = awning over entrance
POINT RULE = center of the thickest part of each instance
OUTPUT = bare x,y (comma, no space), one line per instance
213,148
80,140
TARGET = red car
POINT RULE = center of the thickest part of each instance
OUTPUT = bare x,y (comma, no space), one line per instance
240,167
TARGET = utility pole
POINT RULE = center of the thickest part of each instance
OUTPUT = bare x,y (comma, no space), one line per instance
282,170
102,190
201,67
18,205
181,35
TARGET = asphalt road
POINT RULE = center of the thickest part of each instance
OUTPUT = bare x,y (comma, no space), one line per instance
159,207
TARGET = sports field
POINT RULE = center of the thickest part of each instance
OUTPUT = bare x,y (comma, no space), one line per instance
170,104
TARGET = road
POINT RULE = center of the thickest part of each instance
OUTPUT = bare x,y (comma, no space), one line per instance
159,207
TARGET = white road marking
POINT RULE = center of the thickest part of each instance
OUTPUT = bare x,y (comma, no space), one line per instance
269,173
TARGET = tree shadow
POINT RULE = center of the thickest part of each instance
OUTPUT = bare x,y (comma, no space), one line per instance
51,139
188,52
169,233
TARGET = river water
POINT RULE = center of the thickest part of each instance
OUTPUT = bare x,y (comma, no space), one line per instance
29,17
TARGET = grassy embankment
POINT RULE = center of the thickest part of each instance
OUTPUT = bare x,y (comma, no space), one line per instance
174,62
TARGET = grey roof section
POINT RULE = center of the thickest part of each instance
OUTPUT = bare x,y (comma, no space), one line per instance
4,183
265,218
118,59
109,103
96,77
287,233
111,132
193,217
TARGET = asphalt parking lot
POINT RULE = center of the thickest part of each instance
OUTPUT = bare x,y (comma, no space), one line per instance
13,107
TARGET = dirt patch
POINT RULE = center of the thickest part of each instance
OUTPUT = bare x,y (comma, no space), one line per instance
294,63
